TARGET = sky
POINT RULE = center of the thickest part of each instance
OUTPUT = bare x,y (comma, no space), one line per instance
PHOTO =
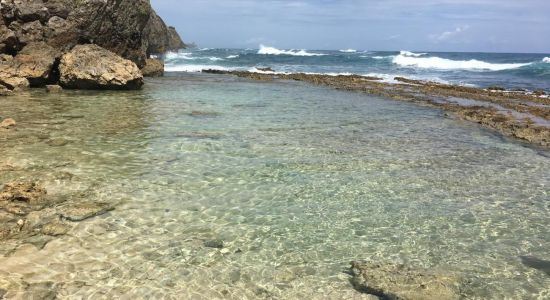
415,25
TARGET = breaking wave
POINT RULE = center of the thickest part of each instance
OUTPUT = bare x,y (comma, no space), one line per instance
546,60
349,51
264,50
411,54
232,56
447,64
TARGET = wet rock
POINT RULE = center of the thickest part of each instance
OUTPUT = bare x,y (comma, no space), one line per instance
55,229
200,135
8,123
402,283
10,78
536,263
496,88
39,241
57,142
4,91
197,113
153,68
82,211
93,67
218,244
54,88
267,69
27,192
42,290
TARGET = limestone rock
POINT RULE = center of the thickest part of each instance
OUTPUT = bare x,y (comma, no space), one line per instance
7,123
55,229
35,62
92,67
397,282
53,88
153,68
83,211
27,192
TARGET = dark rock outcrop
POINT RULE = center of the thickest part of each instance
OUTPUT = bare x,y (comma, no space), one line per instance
92,67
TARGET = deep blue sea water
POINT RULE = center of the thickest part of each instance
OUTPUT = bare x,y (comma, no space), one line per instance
526,71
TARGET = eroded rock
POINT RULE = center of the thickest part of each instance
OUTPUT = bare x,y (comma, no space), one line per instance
35,62
92,67
8,123
54,88
27,192
397,282
55,229
82,211
153,68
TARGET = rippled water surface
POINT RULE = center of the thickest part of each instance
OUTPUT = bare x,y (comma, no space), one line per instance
296,180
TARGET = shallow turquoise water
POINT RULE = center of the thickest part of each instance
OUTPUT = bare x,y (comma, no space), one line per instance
296,180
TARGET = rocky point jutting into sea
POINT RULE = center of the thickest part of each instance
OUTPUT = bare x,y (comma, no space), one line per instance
80,44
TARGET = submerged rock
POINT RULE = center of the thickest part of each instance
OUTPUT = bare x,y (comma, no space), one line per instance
7,123
27,192
54,88
92,67
153,68
83,211
536,263
398,282
55,229
218,244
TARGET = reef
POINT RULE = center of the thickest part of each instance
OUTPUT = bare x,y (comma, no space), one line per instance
518,114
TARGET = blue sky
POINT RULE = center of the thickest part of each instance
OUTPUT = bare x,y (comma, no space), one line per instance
443,25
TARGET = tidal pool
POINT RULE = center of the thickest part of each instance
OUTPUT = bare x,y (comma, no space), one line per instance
235,189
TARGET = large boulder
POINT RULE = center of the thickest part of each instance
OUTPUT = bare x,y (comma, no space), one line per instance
35,62
93,67
9,76
153,68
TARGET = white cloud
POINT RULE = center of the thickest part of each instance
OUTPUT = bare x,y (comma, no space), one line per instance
449,34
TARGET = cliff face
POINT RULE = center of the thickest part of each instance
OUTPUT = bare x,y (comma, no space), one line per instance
129,28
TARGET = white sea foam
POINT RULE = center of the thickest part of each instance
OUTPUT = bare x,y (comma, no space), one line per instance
264,50
546,60
411,54
380,57
349,51
232,56
189,56
178,55
447,64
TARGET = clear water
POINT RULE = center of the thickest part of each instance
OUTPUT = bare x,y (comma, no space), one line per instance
296,180
509,70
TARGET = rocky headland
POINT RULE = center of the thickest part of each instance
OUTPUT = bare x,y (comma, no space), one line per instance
85,44
518,114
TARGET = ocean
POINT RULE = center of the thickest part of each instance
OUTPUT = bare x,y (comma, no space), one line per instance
507,70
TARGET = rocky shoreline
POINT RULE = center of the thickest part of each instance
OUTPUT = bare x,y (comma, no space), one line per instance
81,44
518,114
